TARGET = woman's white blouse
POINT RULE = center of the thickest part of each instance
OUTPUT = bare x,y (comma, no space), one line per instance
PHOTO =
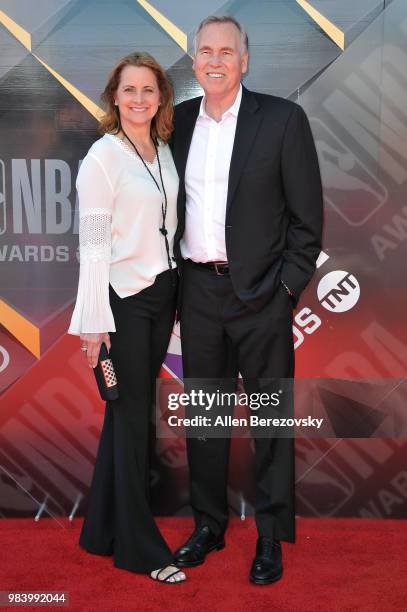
119,221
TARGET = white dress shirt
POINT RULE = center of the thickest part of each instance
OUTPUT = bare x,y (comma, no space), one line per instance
119,220
206,185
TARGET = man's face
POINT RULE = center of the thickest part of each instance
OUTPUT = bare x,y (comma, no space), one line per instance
218,62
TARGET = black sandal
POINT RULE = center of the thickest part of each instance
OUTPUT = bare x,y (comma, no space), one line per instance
167,580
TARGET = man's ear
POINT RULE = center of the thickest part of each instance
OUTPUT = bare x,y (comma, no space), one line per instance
245,62
193,62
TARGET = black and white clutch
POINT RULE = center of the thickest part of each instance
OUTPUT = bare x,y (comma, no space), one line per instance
106,376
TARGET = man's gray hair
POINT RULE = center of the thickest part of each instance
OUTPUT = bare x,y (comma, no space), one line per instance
244,39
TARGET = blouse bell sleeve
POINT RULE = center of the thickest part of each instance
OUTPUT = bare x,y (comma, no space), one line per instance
92,312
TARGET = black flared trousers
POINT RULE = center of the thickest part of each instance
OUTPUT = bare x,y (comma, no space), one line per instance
220,337
119,520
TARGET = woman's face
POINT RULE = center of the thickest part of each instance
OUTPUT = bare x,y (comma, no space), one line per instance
137,95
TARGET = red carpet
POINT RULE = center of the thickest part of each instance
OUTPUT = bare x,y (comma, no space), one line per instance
336,565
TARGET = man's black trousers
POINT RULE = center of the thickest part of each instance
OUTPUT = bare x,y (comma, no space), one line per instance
221,337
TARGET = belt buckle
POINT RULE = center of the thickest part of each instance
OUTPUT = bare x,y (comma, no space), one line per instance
217,270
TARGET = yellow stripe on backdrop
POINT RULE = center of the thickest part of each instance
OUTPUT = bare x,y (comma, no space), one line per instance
327,26
176,34
86,102
22,35
21,328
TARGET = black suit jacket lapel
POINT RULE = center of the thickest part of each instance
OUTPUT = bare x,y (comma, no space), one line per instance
248,123
185,137
184,127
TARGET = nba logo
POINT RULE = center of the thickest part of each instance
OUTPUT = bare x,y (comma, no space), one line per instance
2,198
349,187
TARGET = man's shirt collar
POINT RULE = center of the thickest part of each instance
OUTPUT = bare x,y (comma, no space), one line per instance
233,110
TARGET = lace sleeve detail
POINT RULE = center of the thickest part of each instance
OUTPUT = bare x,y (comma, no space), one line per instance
95,235
92,312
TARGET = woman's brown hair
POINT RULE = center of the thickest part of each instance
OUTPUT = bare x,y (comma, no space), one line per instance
161,125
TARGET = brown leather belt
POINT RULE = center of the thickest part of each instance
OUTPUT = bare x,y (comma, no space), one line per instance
221,268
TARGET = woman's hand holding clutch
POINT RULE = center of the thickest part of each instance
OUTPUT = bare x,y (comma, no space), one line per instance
91,343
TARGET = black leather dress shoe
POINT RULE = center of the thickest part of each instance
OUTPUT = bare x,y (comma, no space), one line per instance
194,551
267,565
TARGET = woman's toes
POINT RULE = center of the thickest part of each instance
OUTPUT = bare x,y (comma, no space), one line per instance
178,577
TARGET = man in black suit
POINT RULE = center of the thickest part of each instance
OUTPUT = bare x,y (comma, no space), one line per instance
249,234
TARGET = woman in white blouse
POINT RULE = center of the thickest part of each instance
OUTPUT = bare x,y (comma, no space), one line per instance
127,186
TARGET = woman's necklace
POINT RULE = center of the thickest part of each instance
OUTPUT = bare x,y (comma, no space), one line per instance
164,204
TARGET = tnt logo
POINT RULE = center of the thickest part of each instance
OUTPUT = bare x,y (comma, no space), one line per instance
338,291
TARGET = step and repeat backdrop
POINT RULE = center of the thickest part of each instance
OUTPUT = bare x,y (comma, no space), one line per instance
344,62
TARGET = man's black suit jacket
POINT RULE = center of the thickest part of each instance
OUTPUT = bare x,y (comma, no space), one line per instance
273,222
